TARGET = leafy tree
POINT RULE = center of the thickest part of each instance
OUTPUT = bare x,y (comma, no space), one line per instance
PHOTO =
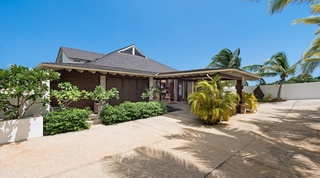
226,59
20,87
101,96
211,103
67,94
277,65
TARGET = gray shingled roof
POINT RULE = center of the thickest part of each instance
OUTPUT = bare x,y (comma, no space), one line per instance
80,54
132,62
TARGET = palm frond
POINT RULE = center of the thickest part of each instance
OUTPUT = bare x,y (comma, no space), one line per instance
252,68
308,20
315,8
278,5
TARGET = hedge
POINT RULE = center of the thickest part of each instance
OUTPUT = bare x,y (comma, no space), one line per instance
130,111
66,120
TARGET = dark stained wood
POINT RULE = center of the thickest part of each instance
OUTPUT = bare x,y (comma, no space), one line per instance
84,81
130,88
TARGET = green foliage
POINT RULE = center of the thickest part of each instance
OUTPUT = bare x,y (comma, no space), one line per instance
151,93
130,111
302,78
67,94
251,101
20,86
211,103
65,120
226,59
101,96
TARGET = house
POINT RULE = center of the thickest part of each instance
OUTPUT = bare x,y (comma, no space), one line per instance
130,71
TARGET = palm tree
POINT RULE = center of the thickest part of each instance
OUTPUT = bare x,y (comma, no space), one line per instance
226,59
211,103
279,5
311,58
276,65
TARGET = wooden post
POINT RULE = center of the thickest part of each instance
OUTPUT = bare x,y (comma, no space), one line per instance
239,88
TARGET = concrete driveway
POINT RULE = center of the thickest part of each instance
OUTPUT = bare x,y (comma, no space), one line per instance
280,140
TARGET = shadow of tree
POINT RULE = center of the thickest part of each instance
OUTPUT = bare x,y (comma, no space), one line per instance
14,130
284,144
150,162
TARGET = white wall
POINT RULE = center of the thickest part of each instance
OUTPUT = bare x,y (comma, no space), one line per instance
290,91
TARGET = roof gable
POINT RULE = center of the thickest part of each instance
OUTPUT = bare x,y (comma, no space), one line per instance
133,50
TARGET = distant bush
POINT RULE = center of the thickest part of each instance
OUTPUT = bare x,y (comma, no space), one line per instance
131,110
65,120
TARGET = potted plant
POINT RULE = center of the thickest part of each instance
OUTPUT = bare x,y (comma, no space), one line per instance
21,88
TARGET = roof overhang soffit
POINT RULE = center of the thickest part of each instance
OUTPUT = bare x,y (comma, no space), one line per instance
101,71
226,74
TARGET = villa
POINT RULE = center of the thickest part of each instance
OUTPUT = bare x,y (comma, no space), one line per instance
131,72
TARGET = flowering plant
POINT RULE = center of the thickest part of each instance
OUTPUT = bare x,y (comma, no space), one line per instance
20,87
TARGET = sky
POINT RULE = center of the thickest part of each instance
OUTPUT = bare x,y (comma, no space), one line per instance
183,34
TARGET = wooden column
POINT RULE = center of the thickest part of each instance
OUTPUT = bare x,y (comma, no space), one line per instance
239,88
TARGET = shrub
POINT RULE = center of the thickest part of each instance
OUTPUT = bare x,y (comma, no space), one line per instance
113,114
66,120
131,110
251,101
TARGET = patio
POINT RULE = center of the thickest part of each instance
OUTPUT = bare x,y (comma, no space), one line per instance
280,140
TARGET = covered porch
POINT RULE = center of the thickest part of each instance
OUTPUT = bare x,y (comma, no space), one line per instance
176,86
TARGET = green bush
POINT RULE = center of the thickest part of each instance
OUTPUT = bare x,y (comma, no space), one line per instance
131,110
66,120
113,114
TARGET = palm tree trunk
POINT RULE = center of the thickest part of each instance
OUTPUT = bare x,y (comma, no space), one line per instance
279,91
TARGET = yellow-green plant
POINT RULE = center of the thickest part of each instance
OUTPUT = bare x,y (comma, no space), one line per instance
211,103
251,101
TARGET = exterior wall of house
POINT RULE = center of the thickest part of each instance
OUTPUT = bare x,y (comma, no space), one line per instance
85,81
130,88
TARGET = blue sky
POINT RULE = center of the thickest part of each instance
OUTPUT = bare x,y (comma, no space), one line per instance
183,34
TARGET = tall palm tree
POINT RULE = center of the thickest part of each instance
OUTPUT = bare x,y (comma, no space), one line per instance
276,65
226,59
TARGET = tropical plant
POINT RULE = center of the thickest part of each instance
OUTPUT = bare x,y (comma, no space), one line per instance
211,103
151,93
67,94
101,96
20,87
250,101
277,65
226,59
